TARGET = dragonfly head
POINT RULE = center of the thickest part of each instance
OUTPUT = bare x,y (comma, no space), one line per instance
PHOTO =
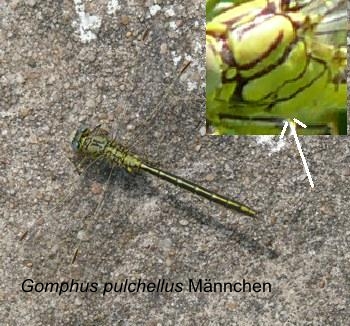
77,138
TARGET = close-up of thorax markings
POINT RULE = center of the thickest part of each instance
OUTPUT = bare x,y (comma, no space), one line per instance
268,61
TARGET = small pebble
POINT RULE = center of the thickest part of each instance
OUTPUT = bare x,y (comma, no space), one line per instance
210,177
124,20
82,235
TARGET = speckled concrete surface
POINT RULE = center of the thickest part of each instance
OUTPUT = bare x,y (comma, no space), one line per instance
64,64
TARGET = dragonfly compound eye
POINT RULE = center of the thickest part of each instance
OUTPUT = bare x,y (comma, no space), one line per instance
76,140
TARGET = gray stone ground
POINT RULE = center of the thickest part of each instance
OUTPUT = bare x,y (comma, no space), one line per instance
53,79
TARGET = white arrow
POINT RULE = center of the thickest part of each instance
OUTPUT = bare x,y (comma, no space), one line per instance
294,133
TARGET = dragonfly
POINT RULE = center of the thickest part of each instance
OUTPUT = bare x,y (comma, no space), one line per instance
274,60
95,144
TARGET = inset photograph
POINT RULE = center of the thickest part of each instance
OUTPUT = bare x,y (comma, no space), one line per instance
269,62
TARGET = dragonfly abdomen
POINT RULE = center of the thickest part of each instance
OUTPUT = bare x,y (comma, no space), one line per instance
198,190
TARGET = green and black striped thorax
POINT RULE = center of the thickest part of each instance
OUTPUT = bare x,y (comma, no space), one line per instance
259,42
276,59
